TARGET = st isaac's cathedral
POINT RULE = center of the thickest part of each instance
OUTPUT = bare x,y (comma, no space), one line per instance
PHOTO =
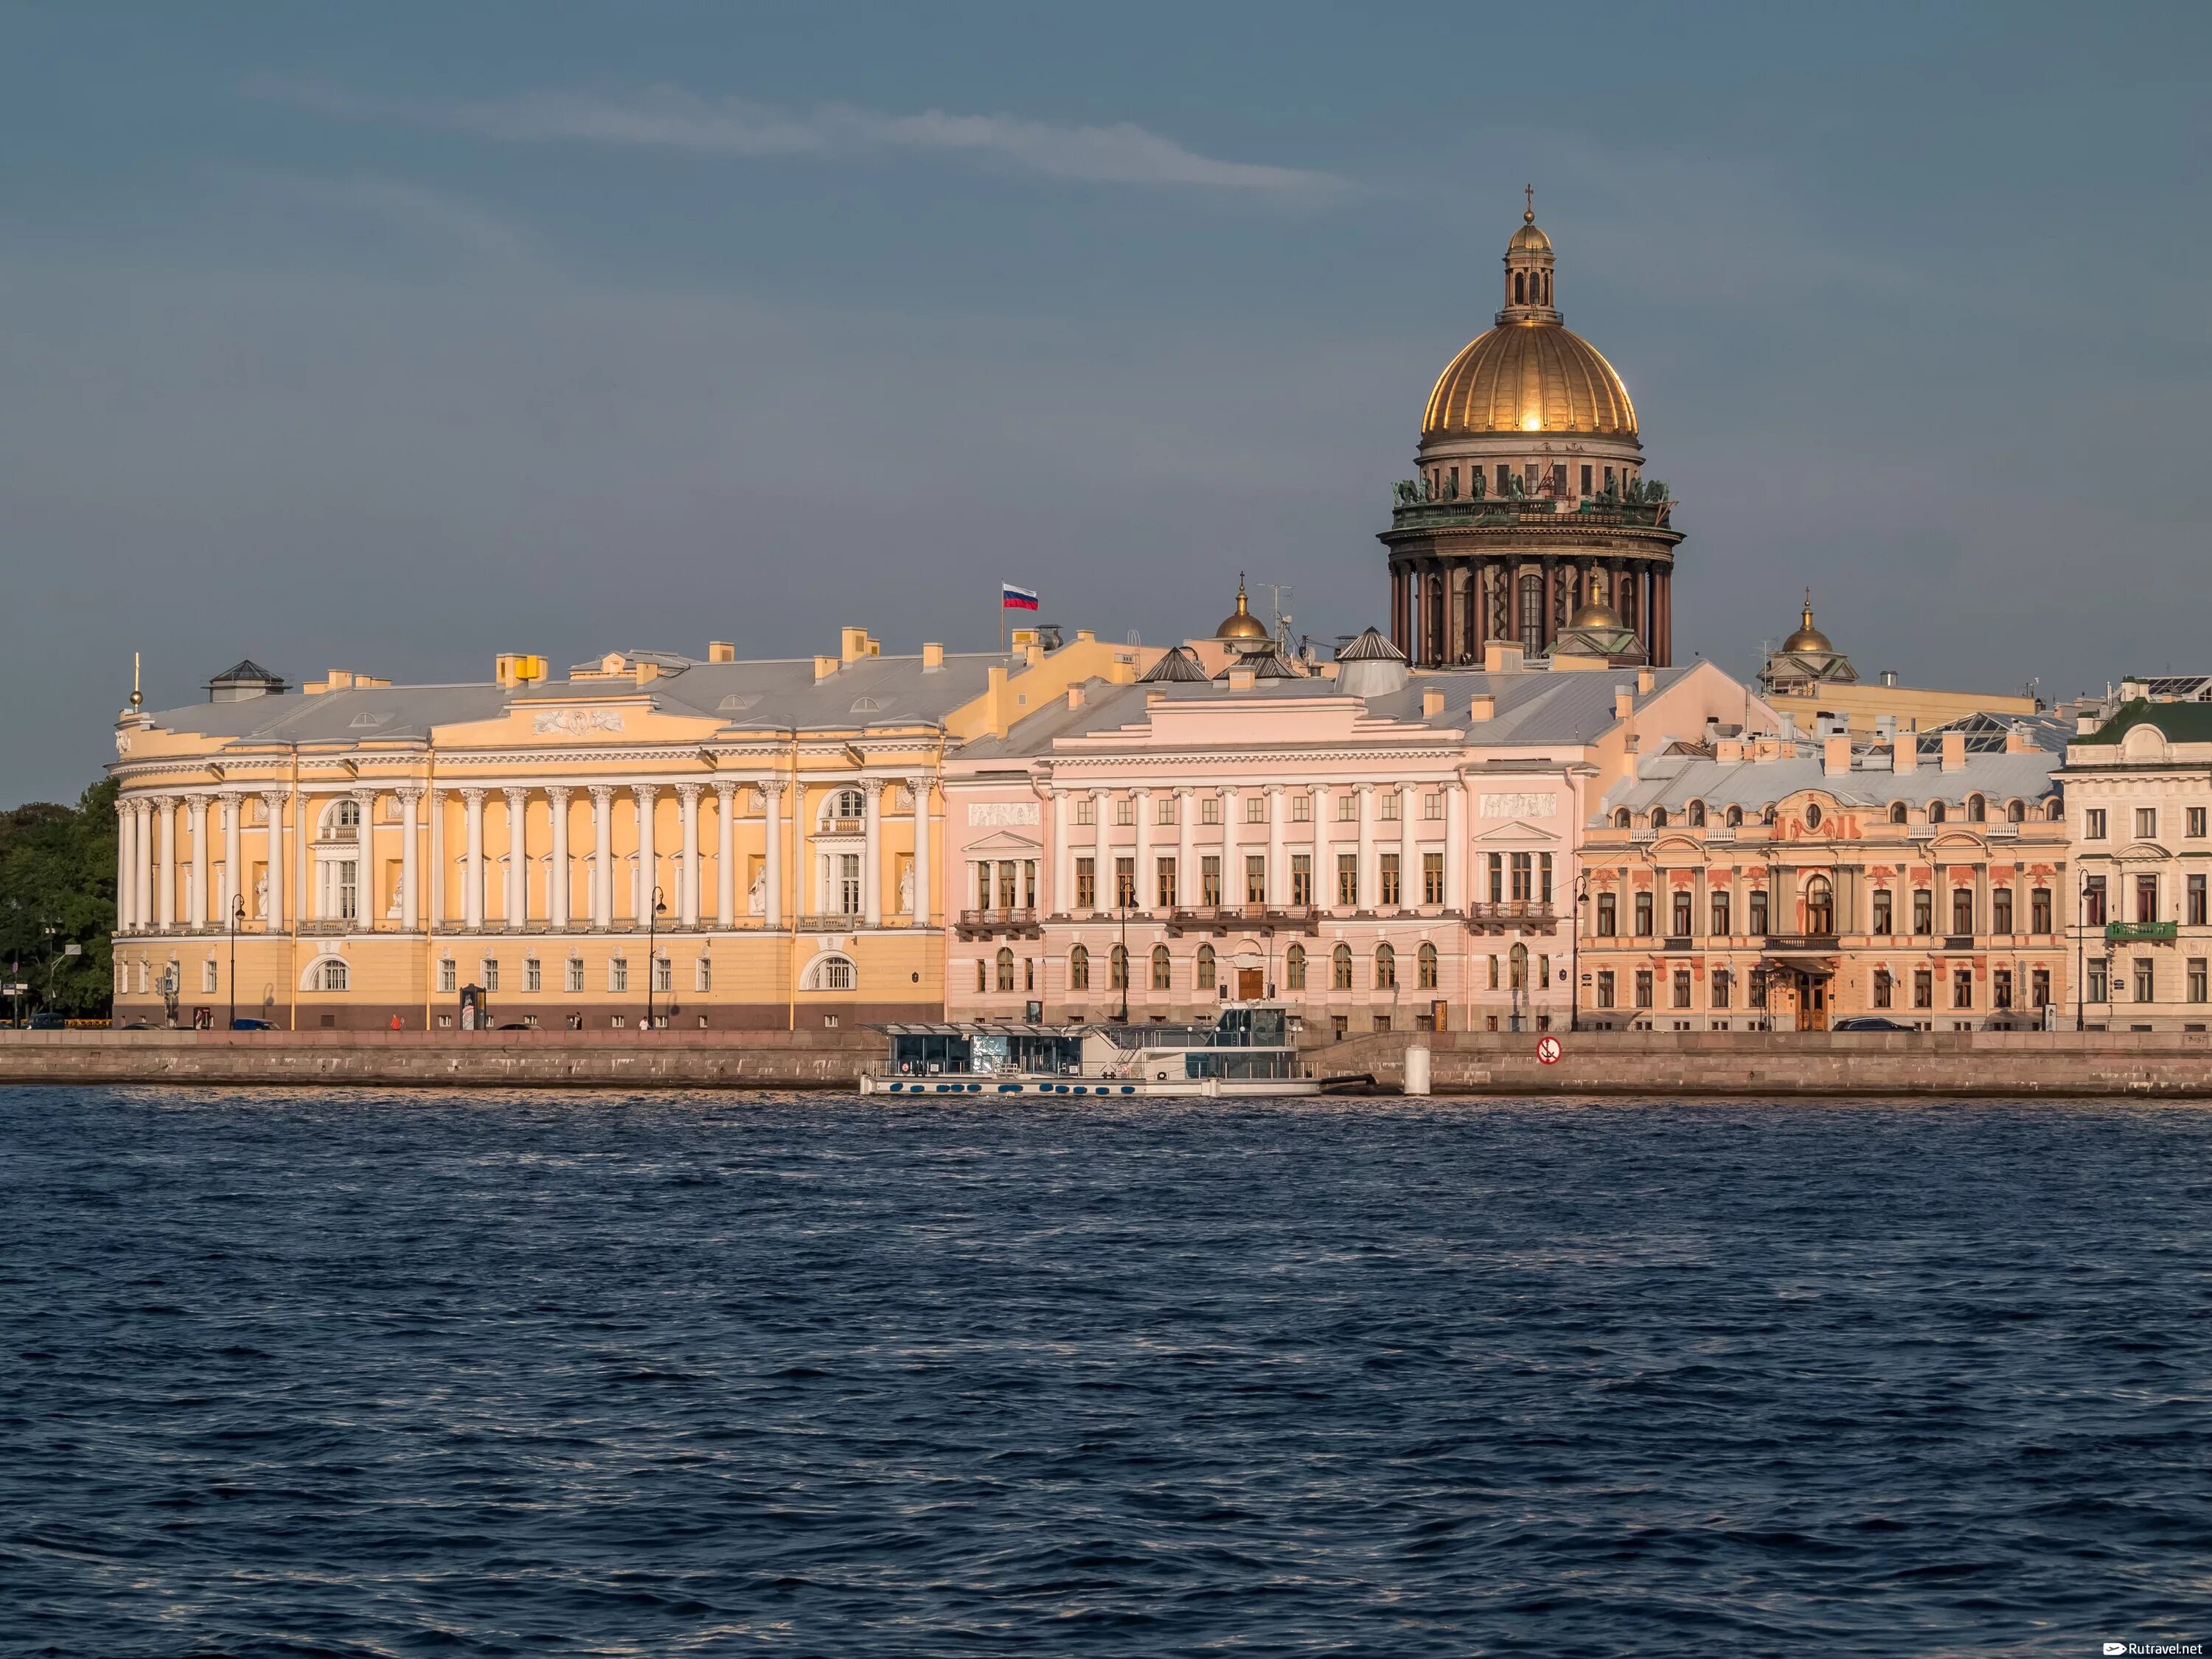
1530,517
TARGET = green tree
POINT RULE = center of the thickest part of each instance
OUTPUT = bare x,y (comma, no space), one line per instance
58,887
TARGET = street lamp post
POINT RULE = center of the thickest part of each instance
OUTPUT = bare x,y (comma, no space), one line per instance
1575,954
1122,899
652,957
237,916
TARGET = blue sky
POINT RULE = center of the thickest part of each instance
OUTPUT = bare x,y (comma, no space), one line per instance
388,337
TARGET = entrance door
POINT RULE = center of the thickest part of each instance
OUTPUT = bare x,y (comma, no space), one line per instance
1248,984
1812,1002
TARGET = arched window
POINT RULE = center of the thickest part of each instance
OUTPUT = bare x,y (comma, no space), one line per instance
1697,815
1163,969
2056,811
1078,970
1768,817
1934,812
1340,968
2016,812
1005,969
328,975
1386,967
1519,961
1897,811
1658,817
1820,906
836,973
1519,296
1621,819
1978,810
1426,968
846,803
1532,612
1734,819
1117,969
1204,977
1294,968
341,820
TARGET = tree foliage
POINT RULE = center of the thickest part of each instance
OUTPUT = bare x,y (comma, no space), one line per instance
58,887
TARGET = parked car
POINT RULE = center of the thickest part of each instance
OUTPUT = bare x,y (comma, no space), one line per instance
1869,1023
48,1019
242,1024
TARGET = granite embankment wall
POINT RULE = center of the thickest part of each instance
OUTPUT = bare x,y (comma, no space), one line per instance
2009,1065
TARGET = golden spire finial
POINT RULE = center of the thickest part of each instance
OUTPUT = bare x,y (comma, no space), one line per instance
1529,213
137,698
1808,607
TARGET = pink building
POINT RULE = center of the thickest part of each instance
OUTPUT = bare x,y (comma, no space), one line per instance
1381,848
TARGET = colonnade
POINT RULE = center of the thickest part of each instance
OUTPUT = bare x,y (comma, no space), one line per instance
167,868
1440,606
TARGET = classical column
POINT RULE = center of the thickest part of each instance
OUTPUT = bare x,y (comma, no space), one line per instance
411,874
1140,854
1324,877
434,908
165,850
1409,850
872,852
648,862
603,855
517,857
273,914
1278,864
1367,847
557,878
687,797
233,837
725,855
1232,878
772,861
368,899
1063,887
195,875
1187,888
472,884
126,865
1104,890
919,786
1456,847
1666,580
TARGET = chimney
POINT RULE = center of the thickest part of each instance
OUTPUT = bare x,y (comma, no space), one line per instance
996,691
1954,751
1728,750
1904,753
1032,655
1836,756
643,671
1647,681
1241,679
1075,696
1433,704
1500,658
721,651
823,668
2016,740
1121,672
1624,702
932,657
1481,707
853,643
1086,636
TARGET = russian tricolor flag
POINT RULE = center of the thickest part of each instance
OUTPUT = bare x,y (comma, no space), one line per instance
1016,598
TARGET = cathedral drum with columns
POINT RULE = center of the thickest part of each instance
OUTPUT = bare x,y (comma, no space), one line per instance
1529,510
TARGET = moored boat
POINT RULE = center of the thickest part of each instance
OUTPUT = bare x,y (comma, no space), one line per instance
1250,1049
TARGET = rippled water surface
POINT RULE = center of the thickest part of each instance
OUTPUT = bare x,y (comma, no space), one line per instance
582,1374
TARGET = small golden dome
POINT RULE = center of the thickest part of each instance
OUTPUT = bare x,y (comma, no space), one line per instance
1241,624
1808,637
1529,376
1528,239
1596,614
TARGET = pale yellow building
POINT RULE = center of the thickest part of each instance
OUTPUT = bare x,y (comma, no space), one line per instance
1816,685
741,844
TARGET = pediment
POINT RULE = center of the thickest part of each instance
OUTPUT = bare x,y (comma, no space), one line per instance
2142,852
1003,842
1516,832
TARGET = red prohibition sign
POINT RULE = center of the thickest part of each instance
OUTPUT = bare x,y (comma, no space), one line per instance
1548,1051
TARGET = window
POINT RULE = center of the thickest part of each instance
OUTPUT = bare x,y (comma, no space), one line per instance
617,974
1812,815
1544,877
1386,967
1302,883
1255,878
207,976
1962,988
664,974
1125,809
1755,922
1884,921
1424,969
1166,813
1163,969
1607,915
1390,806
2001,989
533,974
1734,819
1294,968
1078,970
848,884
2039,986
1209,809
2093,824
1681,987
1720,910
1348,879
1697,815
1523,878
1532,612
1005,964
1978,810
1203,977
1086,884
848,804
1681,918
1347,807
1432,808
332,975
1586,478
1117,969
1644,987
2039,910
1209,879
1923,987
1493,973
2195,830
1621,819
2197,979
1924,911
2016,812
1604,987
2146,898
1496,866
1433,878
1962,909
1820,906
1340,963
2001,910
2145,980
575,982
1658,817
2196,901
1255,809
1642,915
2093,900
702,974
1387,898
2099,988
490,970
835,973
2146,823
1302,808
1086,810
448,974
1881,988
1934,812
1721,987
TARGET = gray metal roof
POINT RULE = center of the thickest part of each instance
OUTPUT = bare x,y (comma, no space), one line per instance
1675,781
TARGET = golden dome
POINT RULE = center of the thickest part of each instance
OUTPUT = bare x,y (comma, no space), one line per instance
1241,624
1528,239
1596,614
1808,638
1529,376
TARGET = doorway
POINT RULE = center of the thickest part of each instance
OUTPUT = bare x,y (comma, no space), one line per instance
1812,1002
1248,984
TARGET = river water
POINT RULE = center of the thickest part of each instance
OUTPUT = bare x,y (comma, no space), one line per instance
361,1374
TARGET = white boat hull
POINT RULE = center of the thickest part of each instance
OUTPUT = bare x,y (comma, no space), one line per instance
984,1088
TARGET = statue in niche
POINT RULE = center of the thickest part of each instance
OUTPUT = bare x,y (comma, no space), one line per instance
1474,485
1403,489
757,894
1515,489
261,894
906,887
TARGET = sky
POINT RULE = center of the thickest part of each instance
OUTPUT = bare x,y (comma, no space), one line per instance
389,337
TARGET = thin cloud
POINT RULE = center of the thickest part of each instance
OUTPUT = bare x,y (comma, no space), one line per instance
671,118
